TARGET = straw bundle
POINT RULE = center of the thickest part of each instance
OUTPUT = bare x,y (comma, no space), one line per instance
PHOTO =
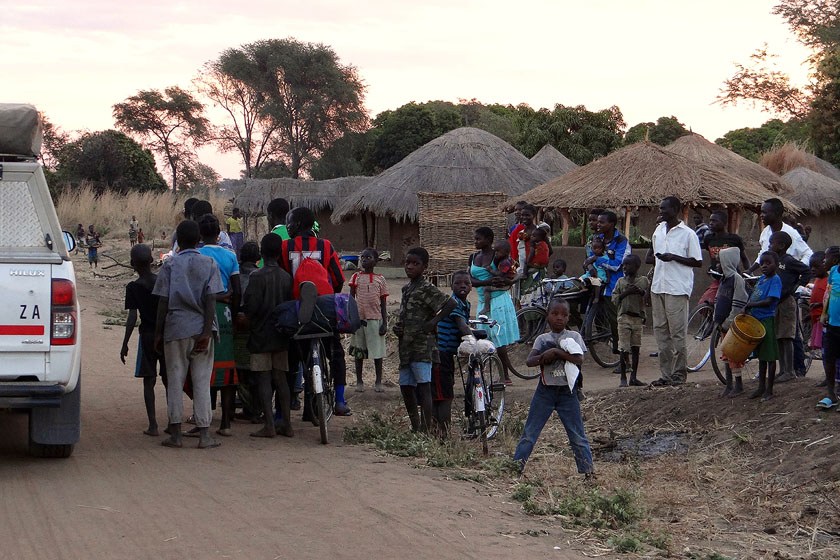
465,160
789,156
550,160
813,192
448,222
315,195
642,174
699,149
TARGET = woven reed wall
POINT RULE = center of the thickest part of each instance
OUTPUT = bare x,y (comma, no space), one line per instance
448,222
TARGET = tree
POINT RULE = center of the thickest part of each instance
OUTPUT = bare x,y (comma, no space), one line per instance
171,123
579,134
307,95
54,140
752,142
198,178
665,131
273,169
111,161
824,117
344,158
231,82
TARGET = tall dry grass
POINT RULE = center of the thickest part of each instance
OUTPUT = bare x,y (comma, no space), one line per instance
110,213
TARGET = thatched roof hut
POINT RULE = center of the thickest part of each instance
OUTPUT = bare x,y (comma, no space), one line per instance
466,160
550,160
315,195
789,156
813,192
641,175
694,146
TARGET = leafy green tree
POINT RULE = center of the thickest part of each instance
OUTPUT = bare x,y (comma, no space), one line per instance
824,117
663,132
109,160
309,96
54,140
579,134
273,169
171,123
232,84
344,158
752,142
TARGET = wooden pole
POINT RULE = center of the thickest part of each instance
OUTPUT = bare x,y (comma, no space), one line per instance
627,222
365,238
372,229
565,223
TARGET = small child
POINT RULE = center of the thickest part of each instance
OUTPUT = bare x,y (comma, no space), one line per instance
139,297
187,284
830,319
762,305
449,333
268,287
246,391
730,300
596,268
93,245
815,303
421,309
558,270
504,267
628,297
371,293
559,354
537,261
141,237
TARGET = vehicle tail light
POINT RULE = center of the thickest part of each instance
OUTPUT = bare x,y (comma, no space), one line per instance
63,324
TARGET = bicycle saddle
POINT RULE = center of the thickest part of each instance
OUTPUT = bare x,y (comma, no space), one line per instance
479,334
308,294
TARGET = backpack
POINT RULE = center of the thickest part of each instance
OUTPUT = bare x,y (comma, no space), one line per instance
333,313
310,270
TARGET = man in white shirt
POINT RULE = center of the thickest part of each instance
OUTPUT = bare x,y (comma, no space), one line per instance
772,214
675,251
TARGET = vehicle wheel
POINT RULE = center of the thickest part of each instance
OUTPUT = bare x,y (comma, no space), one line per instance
749,370
598,336
44,451
532,323
805,335
324,402
494,383
700,326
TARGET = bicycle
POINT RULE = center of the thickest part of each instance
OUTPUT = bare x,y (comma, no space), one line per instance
314,360
484,387
594,326
700,328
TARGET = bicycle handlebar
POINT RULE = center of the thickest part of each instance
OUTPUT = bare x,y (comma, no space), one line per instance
482,320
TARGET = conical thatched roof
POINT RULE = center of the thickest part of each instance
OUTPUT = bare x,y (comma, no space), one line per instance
642,174
813,192
696,147
466,160
315,195
550,160
789,156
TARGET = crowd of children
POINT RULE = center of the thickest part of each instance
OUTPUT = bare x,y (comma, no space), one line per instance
207,316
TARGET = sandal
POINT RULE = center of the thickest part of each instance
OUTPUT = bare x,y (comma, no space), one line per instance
826,404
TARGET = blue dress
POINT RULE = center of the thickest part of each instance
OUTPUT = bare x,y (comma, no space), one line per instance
501,309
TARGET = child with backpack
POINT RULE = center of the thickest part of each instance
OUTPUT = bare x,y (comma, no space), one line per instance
308,258
368,343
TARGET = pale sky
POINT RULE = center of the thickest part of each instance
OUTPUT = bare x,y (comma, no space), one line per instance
75,59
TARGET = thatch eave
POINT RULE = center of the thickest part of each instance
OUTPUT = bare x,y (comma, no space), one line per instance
315,195
813,192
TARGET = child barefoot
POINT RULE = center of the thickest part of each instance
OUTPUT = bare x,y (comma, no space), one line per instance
628,297
729,303
422,308
762,306
504,269
371,293
819,272
559,355
139,297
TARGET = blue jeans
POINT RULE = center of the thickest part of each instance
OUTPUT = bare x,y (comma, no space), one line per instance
546,400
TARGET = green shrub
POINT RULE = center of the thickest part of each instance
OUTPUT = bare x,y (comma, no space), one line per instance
624,544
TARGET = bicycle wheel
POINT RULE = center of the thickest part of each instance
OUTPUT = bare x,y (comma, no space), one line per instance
700,326
325,401
805,327
532,323
749,370
494,385
598,336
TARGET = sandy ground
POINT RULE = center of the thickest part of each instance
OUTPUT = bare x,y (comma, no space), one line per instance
123,495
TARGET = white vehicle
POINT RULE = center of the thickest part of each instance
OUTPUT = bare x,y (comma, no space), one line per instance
40,344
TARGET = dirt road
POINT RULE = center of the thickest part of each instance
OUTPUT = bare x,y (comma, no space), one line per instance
123,495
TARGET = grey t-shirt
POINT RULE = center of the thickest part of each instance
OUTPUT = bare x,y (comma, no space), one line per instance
553,373
187,279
